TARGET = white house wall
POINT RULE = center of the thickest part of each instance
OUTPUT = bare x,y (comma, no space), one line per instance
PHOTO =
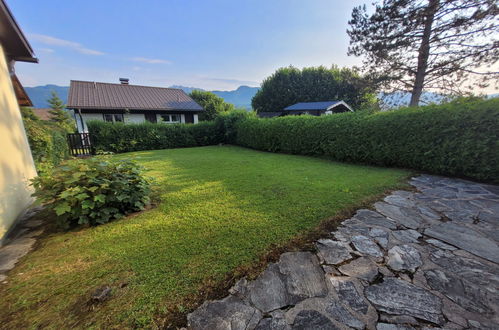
130,118
134,118
16,163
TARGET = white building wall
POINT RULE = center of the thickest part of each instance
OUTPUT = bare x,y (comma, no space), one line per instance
130,118
135,118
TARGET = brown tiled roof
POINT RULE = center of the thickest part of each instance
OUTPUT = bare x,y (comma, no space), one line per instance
96,95
42,113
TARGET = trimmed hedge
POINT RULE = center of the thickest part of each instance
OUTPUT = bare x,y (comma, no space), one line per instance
459,138
120,137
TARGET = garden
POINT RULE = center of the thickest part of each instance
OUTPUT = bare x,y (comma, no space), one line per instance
221,212
186,210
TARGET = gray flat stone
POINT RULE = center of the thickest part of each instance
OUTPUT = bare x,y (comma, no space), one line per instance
303,276
440,244
398,319
469,269
374,219
400,200
332,252
407,217
464,293
404,257
336,311
268,291
406,236
11,253
398,297
366,246
362,268
389,326
276,321
347,293
466,239
357,226
229,313
380,236
311,319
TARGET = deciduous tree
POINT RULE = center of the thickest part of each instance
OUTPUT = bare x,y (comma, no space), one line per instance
211,103
290,85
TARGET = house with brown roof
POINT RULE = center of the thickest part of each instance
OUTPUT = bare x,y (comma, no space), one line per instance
128,103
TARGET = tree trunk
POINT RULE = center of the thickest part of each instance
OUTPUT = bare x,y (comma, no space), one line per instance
423,53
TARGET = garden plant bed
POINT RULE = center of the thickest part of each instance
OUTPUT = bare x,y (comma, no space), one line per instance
220,210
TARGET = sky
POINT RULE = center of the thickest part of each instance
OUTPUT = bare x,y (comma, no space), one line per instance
215,45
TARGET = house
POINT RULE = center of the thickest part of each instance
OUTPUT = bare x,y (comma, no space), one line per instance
310,108
128,103
16,163
43,113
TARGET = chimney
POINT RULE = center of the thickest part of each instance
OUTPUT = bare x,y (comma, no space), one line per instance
124,81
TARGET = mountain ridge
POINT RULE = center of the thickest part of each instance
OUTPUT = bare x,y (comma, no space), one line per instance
240,97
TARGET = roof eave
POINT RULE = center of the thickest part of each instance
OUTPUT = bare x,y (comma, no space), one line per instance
16,45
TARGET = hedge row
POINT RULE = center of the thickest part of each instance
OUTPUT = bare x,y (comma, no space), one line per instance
120,137
458,139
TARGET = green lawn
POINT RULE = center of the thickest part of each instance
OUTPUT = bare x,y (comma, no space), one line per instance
220,209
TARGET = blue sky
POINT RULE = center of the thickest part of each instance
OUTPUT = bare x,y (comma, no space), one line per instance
217,44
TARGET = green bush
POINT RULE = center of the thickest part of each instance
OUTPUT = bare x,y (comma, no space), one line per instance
226,123
92,191
459,138
120,137
47,140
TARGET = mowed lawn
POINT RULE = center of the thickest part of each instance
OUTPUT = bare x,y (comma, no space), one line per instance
220,209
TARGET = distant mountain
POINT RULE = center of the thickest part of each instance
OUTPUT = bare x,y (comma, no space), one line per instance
40,94
399,99
241,97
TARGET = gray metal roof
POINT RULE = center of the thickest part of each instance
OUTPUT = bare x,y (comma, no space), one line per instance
323,105
96,95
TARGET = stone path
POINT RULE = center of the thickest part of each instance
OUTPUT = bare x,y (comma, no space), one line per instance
424,259
20,241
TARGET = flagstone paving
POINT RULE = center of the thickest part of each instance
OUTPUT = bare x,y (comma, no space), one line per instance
420,260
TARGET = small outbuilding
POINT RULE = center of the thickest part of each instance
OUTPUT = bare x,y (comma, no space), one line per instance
317,108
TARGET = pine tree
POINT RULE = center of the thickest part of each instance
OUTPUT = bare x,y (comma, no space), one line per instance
439,45
58,114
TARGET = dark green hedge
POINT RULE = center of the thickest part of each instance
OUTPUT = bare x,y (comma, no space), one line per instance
119,137
458,138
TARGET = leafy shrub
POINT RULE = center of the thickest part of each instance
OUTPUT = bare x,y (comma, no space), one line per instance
120,137
92,191
459,138
47,140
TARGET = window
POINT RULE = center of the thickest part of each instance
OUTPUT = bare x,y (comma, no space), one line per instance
113,118
170,119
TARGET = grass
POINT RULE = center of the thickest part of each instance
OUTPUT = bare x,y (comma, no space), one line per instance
221,209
